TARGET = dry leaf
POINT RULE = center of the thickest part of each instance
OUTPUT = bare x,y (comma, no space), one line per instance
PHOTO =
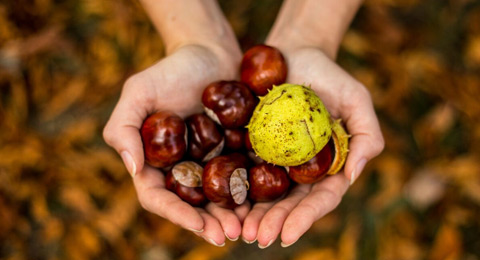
425,188
65,98
315,254
472,52
447,245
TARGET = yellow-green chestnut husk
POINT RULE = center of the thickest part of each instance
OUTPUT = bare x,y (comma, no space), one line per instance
289,126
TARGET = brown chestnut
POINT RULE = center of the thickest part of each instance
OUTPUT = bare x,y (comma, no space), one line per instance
205,139
316,168
163,136
250,152
248,143
267,182
229,103
185,179
225,180
234,139
262,67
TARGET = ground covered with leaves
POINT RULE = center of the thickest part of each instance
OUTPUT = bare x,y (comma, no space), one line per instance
65,195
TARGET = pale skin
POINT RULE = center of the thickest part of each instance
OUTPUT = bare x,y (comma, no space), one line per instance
201,48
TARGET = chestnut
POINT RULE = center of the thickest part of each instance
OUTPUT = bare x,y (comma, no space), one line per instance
234,139
248,143
229,103
250,152
205,139
185,179
164,139
267,182
225,180
262,67
316,168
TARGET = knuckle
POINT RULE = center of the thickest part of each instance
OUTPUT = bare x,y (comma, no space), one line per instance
378,145
107,134
381,144
132,90
364,92
132,82
313,210
331,199
144,201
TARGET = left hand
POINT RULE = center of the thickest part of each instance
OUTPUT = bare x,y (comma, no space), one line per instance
345,98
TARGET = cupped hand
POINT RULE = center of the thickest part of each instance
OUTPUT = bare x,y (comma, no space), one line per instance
344,98
175,83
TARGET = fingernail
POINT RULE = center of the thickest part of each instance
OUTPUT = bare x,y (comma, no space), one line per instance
231,239
195,230
129,163
357,170
249,242
211,241
269,244
287,245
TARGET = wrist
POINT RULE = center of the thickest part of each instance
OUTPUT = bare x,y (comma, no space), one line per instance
185,22
221,39
219,61
317,24
289,40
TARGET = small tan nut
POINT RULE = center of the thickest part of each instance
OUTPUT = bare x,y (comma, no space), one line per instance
239,185
188,174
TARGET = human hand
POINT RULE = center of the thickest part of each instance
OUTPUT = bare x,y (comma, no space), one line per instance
176,84
344,98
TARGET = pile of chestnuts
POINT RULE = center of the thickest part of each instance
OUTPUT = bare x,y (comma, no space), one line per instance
209,156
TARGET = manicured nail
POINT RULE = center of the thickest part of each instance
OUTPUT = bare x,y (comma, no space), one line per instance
195,230
129,163
231,239
211,241
357,170
249,242
287,245
269,244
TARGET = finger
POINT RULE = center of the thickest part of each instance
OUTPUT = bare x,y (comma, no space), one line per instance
228,220
362,123
323,198
272,222
252,221
212,232
242,211
122,131
153,197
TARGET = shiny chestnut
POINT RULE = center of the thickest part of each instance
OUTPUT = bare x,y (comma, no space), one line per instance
225,180
262,67
205,138
250,152
163,136
248,143
229,103
234,139
267,182
316,168
185,180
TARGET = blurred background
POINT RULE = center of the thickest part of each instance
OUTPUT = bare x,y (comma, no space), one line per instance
65,195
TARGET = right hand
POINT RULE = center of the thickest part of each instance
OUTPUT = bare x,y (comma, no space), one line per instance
344,98
176,84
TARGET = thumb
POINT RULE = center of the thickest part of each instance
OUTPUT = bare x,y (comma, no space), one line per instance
367,140
122,131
